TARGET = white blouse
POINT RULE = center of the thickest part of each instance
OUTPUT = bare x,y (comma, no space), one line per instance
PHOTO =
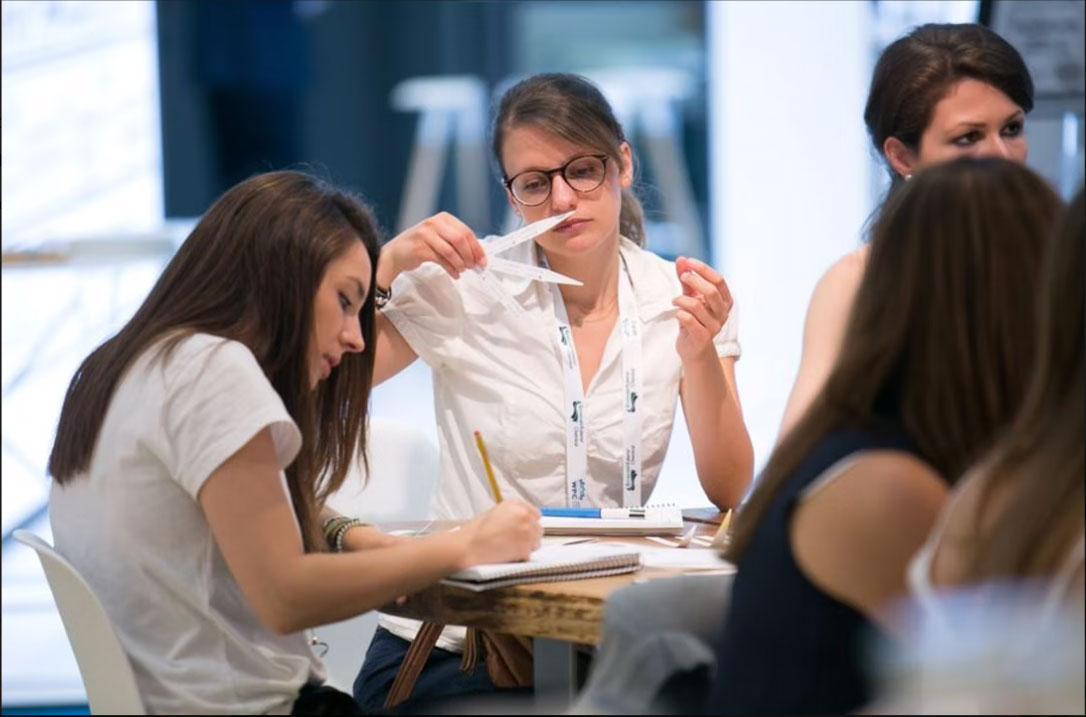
501,374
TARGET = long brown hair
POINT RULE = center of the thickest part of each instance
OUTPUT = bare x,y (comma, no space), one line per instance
249,271
571,107
915,71
1042,461
938,339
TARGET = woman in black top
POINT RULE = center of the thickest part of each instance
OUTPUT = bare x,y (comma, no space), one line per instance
933,364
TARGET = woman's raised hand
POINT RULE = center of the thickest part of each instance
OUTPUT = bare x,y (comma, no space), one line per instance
442,239
703,307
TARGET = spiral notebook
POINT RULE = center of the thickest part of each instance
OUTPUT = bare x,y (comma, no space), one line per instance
551,563
658,520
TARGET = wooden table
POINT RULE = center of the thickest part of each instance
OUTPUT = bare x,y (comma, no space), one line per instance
559,616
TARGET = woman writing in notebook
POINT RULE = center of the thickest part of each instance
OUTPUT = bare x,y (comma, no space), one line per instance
196,448
940,92
576,397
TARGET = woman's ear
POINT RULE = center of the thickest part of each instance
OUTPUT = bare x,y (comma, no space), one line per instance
899,156
625,177
513,203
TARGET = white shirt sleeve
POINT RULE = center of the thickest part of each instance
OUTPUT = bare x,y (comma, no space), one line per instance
217,400
427,309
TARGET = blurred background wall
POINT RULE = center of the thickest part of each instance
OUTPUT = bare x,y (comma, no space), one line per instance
123,121
315,79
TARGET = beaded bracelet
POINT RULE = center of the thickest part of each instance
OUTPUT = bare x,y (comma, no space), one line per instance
341,530
331,526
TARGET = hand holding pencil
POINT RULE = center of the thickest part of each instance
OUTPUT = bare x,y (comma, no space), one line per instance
507,532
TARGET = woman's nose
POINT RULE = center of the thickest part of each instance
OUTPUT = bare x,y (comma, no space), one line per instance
563,196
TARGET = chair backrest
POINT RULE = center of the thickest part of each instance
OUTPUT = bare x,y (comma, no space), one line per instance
103,664
403,470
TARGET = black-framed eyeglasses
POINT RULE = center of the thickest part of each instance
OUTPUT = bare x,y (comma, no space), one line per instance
582,173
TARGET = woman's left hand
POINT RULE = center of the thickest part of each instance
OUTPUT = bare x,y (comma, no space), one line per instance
703,307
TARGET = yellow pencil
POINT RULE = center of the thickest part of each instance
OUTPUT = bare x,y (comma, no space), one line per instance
486,464
720,539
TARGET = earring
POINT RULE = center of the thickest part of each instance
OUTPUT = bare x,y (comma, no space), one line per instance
908,177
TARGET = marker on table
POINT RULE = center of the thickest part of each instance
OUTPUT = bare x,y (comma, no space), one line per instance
558,512
489,470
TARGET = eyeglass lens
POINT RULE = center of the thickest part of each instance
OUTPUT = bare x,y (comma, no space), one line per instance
583,174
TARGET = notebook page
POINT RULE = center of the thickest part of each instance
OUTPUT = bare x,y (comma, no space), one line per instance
557,559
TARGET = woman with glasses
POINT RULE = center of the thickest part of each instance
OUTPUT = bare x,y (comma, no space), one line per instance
575,395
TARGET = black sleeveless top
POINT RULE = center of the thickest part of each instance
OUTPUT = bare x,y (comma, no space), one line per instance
786,646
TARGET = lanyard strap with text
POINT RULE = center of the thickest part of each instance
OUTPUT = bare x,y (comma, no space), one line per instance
576,450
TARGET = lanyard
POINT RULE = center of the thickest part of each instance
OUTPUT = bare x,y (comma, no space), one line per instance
576,449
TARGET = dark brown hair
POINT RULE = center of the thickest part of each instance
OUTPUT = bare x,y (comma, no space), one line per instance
1042,461
938,342
571,107
915,71
249,272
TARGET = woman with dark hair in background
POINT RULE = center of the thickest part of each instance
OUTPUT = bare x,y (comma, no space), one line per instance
576,397
934,363
939,92
197,446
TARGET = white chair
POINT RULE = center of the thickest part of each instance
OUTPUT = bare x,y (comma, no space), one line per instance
107,674
403,469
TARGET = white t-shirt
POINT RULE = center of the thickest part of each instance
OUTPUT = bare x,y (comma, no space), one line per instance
1049,593
501,374
999,646
133,528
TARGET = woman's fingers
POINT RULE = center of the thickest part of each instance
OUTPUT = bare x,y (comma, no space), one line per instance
701,280
460,238
693,328
697,309
704,305
442,239
445,254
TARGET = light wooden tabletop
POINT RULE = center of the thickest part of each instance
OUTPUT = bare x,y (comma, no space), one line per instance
570,610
